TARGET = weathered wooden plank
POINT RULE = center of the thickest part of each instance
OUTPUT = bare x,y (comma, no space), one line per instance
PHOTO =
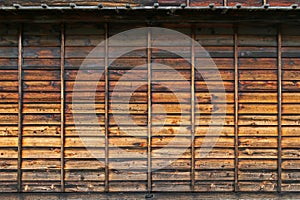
255,153
258,164
256,75
41,186
214,97
9,75
257,63
41,86
40,176
215,40
83,164
41,52
257,52
41,40
221,63
44,63
171,186
258,142
264,186
8,130
215,175
290,131
257,176
132,186
84,130
214,186
258,131
214,130
254,97
40,97
41,119
258,108
258,120
214,86
214,164
83,52
9,52
84,39
257,40
265,86
41,75
291,63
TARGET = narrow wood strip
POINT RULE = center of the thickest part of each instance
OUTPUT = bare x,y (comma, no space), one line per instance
236,109
193,109
279,109
62,106
20,116
149,98
106,110
225,3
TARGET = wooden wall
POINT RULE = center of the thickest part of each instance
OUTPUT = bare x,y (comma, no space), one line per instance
40,150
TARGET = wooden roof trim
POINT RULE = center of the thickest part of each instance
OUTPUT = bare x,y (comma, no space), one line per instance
156,6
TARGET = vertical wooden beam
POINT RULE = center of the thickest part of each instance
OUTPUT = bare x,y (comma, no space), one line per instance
225,3
193,109
149,95
62,106
20,102
265,2
279,63
106,117
236,110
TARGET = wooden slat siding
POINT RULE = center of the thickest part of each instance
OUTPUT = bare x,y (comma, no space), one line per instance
290,136
149,111
165,178
279,73
106,186
236,110
38,38
193,31
9,133
216,175
62,108
261,114
20,107
83,171
132,165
